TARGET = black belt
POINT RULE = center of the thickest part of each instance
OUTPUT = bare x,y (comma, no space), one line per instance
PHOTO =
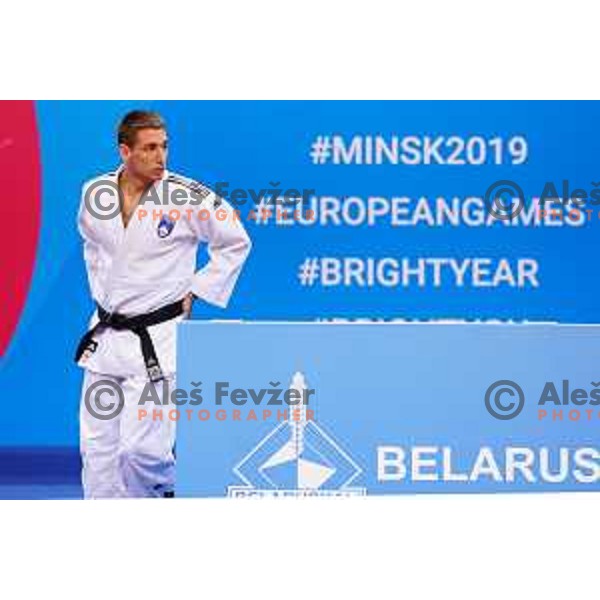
137,325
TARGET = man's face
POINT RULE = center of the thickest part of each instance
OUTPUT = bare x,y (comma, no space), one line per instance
147,158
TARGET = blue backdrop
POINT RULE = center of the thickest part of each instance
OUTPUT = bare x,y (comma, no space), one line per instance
251,145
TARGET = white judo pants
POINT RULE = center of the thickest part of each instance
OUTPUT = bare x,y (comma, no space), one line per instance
125,456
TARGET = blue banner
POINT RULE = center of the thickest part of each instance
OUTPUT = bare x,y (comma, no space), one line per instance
353,409
420,211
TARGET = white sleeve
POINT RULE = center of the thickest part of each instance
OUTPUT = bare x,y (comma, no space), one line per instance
90,246
228,248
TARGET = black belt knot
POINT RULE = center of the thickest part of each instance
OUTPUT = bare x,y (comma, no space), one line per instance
137,324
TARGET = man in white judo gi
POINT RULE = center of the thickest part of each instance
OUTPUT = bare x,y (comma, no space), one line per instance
141,266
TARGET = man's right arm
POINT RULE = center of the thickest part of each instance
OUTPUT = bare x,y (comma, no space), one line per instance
85,226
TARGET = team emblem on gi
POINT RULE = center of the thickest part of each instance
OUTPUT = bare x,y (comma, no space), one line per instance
165,227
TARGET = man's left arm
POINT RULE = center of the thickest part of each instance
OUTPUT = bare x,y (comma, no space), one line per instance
228,247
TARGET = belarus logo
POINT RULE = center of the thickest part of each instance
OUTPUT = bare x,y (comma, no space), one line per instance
165,227
297,459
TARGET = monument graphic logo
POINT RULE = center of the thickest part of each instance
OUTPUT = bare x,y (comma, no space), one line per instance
297,458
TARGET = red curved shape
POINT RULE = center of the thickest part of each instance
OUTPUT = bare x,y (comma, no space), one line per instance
20,192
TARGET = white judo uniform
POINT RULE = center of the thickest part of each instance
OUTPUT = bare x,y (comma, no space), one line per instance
132,271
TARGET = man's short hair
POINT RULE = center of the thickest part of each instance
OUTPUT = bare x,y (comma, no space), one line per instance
135,120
